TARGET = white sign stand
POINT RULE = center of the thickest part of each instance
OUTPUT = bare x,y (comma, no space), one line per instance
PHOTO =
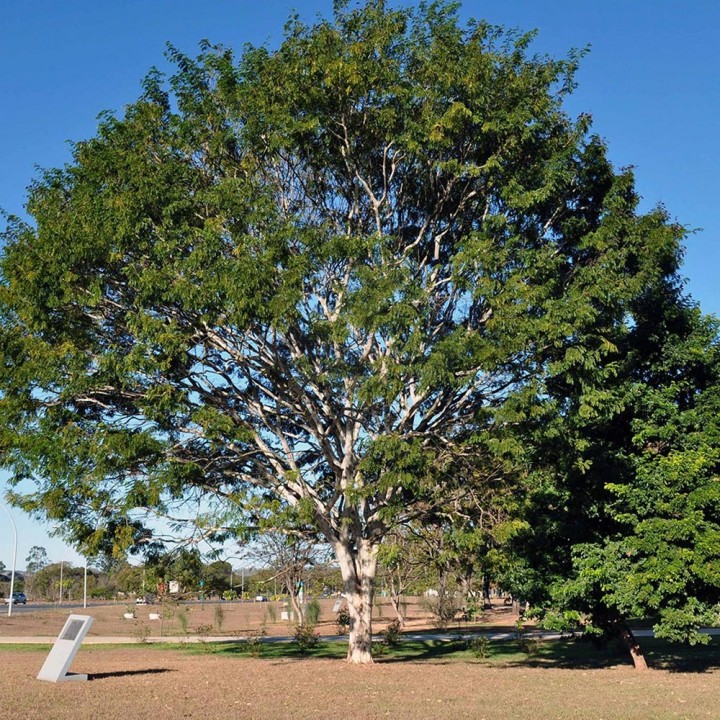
57,663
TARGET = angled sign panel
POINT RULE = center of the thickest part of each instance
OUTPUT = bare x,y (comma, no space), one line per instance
56,665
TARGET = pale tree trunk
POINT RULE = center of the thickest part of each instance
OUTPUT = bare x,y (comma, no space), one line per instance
297,607
396,602
358,566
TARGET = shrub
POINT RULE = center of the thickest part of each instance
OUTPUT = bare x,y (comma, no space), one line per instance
141,632
305,637
343,621
479,646
312,612
254,642
379,649
531,645
203,632
391,634
442,607
271,611
219,617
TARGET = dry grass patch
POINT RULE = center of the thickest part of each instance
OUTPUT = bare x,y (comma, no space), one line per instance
167,685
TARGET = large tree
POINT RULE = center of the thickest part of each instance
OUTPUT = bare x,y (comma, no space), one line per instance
308,279
624,506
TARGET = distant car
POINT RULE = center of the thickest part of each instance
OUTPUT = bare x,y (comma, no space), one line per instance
18,598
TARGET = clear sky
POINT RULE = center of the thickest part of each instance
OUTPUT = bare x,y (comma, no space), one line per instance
651,82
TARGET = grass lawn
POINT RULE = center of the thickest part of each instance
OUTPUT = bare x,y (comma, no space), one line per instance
558,679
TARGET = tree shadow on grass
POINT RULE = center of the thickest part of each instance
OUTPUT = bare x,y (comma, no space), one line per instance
563,654
279,651
581,654
683,658
436,652
125,673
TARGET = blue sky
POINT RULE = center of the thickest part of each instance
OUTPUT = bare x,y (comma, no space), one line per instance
651,82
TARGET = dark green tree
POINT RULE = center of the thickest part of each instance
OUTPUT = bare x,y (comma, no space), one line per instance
305,279
186,567
217,576
625,514
127,578
58,581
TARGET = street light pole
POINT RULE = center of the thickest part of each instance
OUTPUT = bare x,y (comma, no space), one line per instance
14,561
232,574
85,586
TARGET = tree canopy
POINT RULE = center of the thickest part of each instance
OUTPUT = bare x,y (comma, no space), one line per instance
310,281
624,519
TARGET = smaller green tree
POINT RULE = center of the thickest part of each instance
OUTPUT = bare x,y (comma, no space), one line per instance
128,578
186,567
289,557
36,560
402,567
217,577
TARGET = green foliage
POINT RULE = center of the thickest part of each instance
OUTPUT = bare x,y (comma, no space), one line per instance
182,618
36,560
342,620
449,222
479,646
219,617
312,612
635,498
46,582
254,642
391,633
128,578
305,637
333,286
185,567
217,577
141,632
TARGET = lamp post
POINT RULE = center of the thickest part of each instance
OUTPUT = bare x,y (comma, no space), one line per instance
14,561
232,574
